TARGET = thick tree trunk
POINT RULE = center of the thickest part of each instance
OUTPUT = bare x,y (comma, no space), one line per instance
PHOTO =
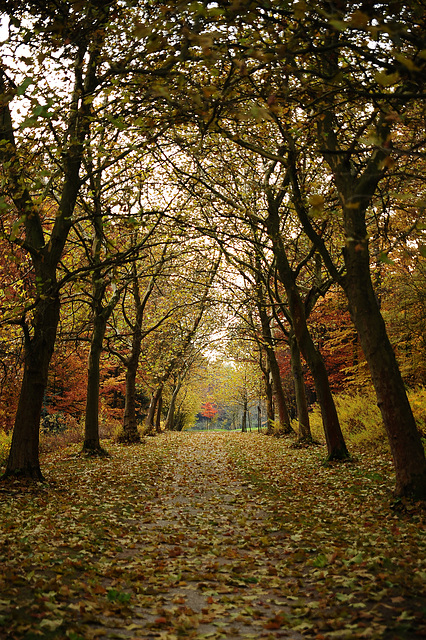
336,446
91,427
305,434
130,433
404,438
24,451
149,420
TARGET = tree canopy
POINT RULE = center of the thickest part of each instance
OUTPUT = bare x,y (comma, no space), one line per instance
183,183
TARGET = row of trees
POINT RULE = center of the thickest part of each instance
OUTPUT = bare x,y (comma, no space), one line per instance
284,138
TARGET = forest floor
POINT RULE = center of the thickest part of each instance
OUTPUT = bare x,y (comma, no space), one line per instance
211,535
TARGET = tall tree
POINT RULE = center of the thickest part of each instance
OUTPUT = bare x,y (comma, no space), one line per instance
45,245
315,64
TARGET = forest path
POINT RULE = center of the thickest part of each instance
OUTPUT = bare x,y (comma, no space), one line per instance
210,535
212,573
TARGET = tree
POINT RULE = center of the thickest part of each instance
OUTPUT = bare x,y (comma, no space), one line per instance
45,246
357,170
349,99
130,432
181,338
208,411
250,213
86,49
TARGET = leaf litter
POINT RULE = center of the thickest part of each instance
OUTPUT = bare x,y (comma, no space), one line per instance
211,535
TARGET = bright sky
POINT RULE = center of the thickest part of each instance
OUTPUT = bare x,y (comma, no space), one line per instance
4,22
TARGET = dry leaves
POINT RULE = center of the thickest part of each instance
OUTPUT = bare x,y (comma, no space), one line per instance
210,536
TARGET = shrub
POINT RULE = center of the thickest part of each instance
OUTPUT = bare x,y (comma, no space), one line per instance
361,420
5,440
70,432
417,398
53,423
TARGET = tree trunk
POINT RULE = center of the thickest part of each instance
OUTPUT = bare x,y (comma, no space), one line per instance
305,434
281,405
149,420
404,438
244,418
270,413
130,433
91,428
159,409
280,402
336,446
169,424
24,451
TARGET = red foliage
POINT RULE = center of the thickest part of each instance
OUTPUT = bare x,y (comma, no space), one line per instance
208,410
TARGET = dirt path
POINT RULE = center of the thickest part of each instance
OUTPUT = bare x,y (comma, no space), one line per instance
211,573
216,536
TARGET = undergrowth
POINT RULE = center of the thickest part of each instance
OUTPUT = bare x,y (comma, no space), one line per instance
5,440
361,420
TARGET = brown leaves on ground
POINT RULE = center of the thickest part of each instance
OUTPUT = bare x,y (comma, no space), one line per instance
210,536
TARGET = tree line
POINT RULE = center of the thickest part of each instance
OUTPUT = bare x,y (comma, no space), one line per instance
150,149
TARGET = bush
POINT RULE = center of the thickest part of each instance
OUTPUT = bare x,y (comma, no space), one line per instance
5,440
52,423
417,398
69,431
361,420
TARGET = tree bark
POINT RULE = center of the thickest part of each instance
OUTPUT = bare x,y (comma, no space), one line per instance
404,438
24,451
130,433
244,418
336,446
281,405
270,413
91,442
149,420
169,423
158,413
305,434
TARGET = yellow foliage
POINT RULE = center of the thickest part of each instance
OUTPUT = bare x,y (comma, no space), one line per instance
417,398
360,417
5,440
